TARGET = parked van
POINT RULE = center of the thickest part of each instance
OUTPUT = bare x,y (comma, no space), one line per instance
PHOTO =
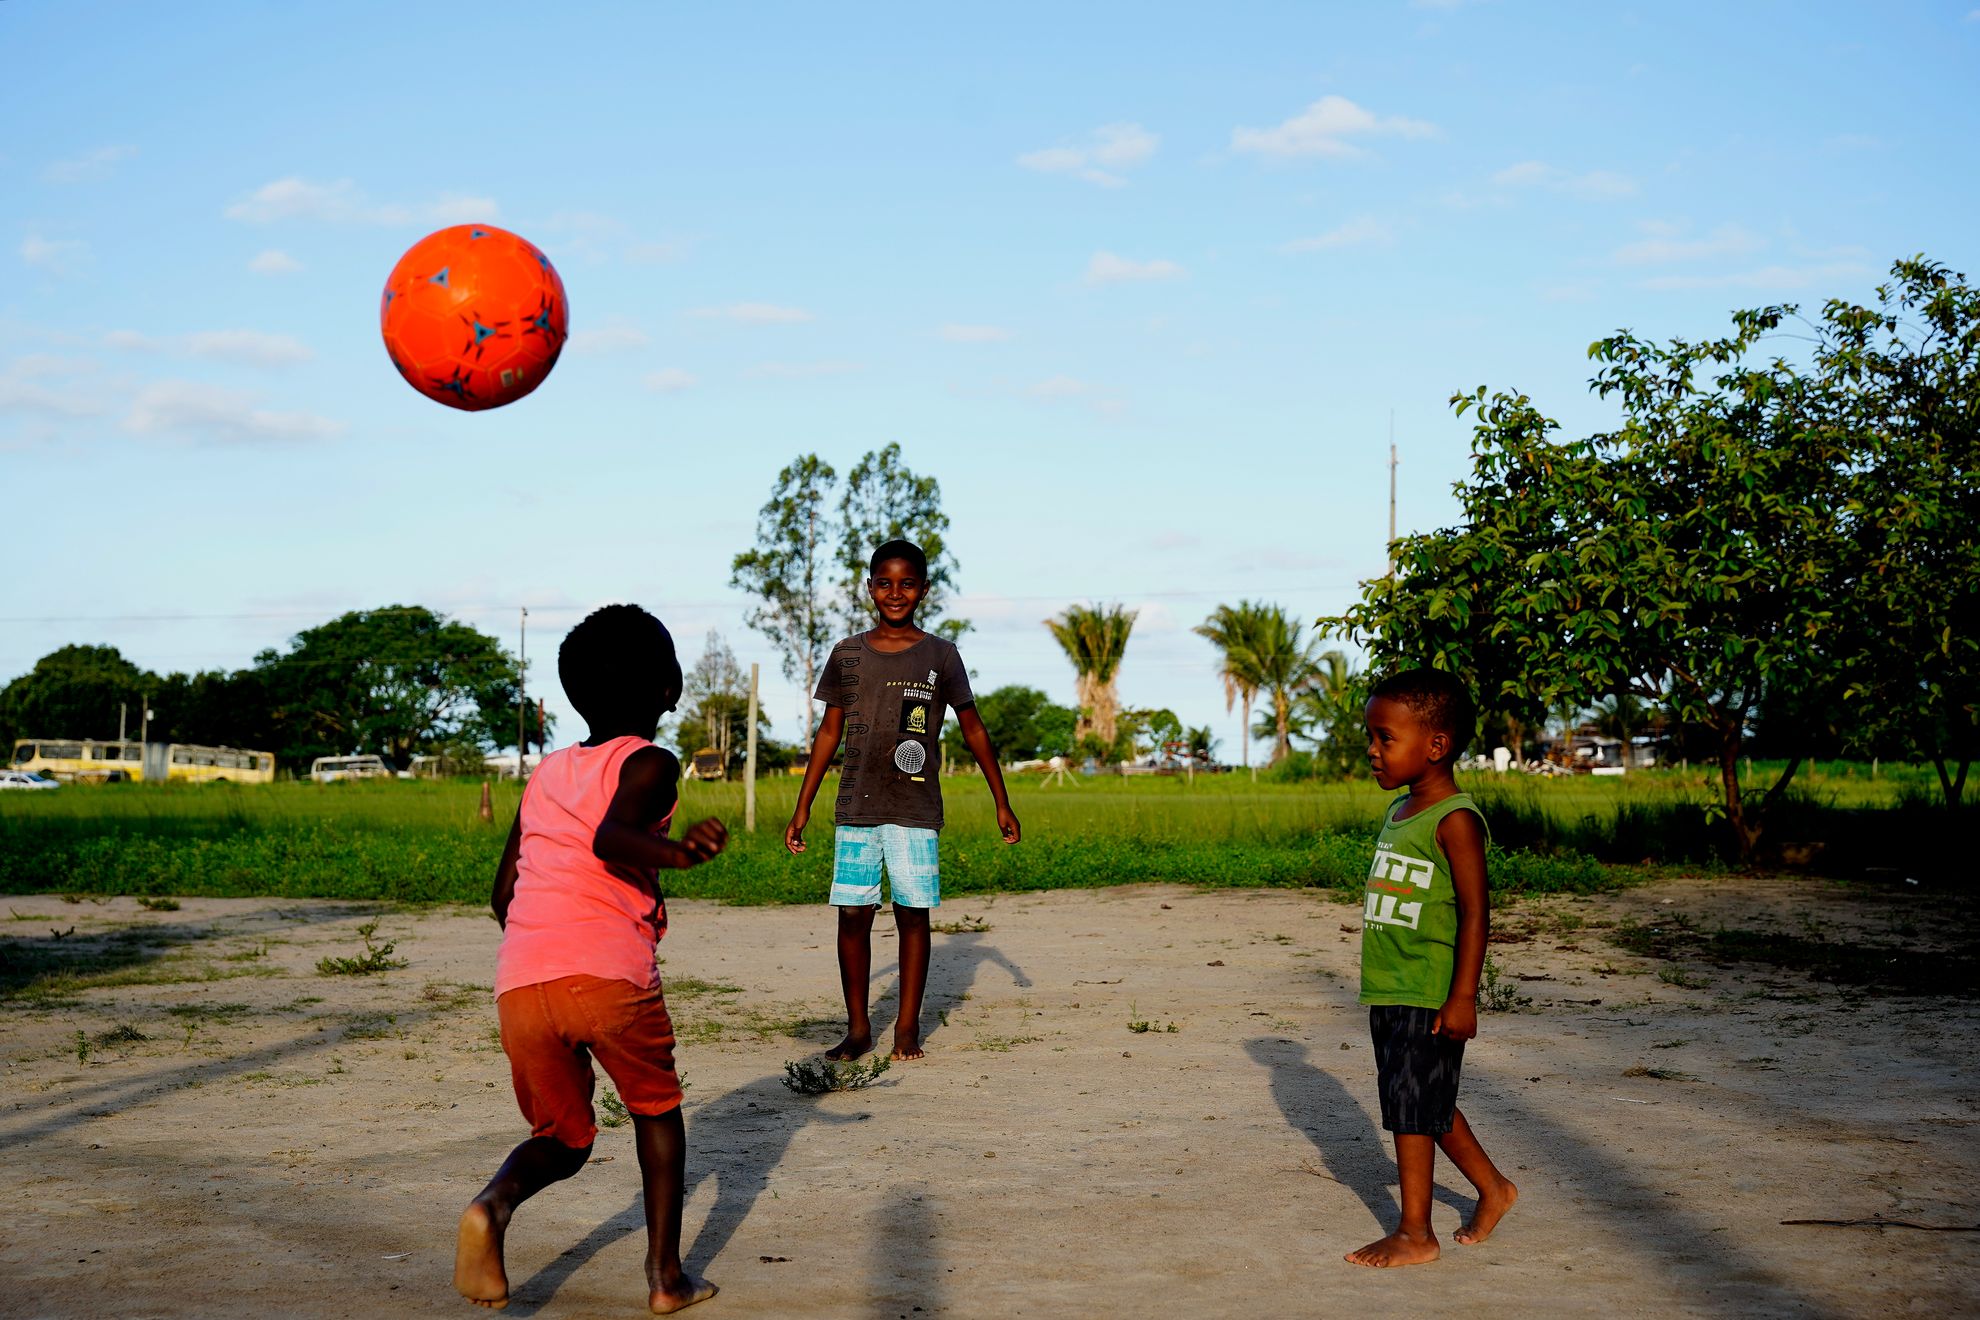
329,769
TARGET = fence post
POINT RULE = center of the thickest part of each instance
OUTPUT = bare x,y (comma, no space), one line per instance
749,759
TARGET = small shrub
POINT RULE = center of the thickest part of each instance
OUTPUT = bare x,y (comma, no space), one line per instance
967,926
151,904
612,1111
817,1076
1684,980
1498,993
375,958
1142,1026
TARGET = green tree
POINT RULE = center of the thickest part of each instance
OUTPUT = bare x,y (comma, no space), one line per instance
392,681
230,708
74,692
1905,374
790,573
1095,639
1230,629
715,707
1692,555
1327,712
1282,666
884,500
1023,724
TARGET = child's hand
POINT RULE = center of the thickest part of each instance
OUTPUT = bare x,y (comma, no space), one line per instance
705,839
1007,822
794,832
1457,1019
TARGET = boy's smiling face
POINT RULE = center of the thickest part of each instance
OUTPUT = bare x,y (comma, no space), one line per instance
1401,746
897,589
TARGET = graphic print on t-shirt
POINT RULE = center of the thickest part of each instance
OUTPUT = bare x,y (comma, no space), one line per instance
1394,874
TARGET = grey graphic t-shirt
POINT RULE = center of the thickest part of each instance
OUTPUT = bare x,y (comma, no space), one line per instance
894,705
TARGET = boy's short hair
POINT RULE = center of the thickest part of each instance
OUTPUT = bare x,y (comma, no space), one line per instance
899,549
617,664
1438,698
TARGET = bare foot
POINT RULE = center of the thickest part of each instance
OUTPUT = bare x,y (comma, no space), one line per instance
854,1045
478,1272
907,1045
684,1292
1492,1207
1398,1248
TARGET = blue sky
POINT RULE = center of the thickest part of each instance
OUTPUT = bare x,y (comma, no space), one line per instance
1141,284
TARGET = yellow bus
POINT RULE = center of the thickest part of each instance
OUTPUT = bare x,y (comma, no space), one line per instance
105,760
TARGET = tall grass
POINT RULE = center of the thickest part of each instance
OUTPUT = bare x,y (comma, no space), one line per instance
423,841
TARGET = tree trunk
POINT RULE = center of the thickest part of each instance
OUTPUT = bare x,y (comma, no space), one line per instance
810,706
1729,781
1244,739
1282,715
1106,712
1953,786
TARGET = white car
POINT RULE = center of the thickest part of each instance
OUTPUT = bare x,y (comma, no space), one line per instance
22,779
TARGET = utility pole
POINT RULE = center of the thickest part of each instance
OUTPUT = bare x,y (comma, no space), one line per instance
749,758
1392,500
123,708
522,696
144,719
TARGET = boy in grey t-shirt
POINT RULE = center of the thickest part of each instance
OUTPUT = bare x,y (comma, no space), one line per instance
886,691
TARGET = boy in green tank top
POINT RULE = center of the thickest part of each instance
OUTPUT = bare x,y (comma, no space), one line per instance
1423,928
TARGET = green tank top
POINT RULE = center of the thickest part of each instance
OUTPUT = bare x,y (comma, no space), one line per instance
1409,919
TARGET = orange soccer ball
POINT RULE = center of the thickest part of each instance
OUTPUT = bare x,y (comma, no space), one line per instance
474,317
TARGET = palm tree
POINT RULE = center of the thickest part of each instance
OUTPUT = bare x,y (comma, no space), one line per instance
1230,629
1094,638
1282,667
1326,712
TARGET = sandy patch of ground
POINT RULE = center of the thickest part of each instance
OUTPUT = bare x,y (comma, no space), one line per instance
284,1142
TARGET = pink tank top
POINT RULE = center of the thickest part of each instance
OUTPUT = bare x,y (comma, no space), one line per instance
572,913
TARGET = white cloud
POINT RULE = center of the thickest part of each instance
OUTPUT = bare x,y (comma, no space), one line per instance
1072,390
93,165
274,261
58,256
973,334
1059,387
754,313
1663,247
222,416
614,336
801,370
1323,129
1593,185
1110,148
656,253
670,380
42,383
343,202
1777,279
252,348
1359,232
1106,268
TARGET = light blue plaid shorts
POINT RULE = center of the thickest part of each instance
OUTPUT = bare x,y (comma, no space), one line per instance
909,854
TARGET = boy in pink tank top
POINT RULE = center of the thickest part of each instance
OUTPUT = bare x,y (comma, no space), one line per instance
578,896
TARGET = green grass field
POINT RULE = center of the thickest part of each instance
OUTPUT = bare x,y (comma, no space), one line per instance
423,841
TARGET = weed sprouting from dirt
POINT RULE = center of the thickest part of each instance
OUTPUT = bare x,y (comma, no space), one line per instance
157,904
1684,980
1498,993
375,958
1661,1074
612,1111
82,1046
967,926
1141,1026
818,1076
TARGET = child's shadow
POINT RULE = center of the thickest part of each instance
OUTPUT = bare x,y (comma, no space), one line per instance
738,1139
1355,1151
952,968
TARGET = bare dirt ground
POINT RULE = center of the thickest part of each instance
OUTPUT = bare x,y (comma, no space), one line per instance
283,1142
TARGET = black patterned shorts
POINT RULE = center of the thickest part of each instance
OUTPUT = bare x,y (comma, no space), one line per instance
1416,1072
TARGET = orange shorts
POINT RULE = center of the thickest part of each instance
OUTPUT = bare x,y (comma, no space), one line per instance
553,1029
